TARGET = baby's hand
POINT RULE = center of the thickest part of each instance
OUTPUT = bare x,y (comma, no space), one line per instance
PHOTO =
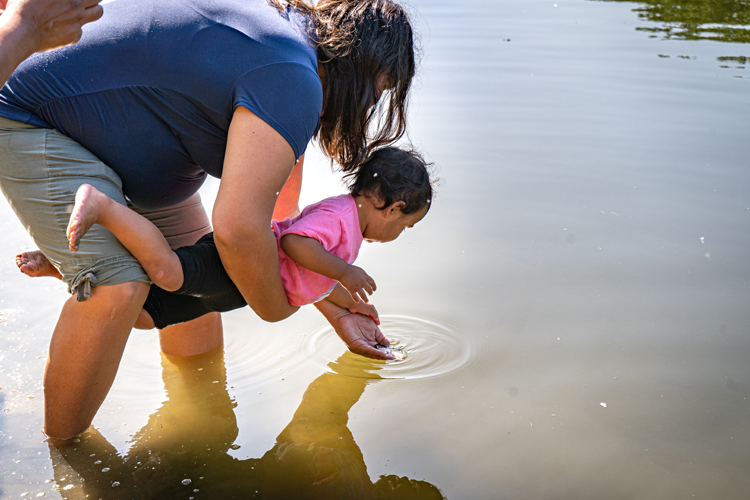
367,309
357,282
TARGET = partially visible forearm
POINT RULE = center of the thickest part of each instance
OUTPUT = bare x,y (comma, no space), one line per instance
341,297
287,203
330,311
310,254
16,43
252,262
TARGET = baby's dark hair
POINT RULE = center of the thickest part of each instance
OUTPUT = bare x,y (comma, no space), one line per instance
392,174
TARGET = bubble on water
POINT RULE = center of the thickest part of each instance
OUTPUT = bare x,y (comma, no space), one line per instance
116,484
97,462
40,494
68,487
604,405
106,469
186,481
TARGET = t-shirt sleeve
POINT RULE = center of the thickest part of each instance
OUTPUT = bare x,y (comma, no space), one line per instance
321,224
287,96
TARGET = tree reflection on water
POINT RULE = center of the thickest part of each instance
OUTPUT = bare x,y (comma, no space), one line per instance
182,452
717,20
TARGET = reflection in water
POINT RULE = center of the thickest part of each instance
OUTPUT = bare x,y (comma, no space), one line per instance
718,20
182,451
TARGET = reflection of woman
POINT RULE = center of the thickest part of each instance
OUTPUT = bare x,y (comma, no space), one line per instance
314,457
155,96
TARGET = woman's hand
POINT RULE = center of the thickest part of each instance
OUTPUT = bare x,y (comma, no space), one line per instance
367,309
359,333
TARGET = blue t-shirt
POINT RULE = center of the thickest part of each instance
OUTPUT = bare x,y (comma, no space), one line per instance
151,88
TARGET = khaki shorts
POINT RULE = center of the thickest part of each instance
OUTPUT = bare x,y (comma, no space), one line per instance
40,172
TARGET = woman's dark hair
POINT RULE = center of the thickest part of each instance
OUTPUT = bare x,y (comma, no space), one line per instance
392,174
365,48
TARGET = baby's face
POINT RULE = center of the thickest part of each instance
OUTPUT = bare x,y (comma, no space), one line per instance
388,228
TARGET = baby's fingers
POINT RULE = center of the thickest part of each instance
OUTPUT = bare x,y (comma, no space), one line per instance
355,294
364,294
373,315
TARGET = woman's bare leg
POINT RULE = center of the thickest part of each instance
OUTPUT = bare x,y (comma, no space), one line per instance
194,337
188,339
135,232
84,354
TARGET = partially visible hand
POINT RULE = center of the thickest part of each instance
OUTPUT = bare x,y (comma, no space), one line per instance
361,335
50,24
358,283
367,309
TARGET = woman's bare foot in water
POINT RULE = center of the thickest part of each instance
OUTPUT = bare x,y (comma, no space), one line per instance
91,205
35,264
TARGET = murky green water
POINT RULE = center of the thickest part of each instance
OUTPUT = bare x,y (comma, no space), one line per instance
574,307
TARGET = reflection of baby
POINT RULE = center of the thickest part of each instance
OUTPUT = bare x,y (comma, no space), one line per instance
390,192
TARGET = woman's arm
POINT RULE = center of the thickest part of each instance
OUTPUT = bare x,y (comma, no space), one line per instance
258,162
287,204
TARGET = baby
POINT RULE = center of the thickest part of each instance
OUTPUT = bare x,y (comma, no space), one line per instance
391,191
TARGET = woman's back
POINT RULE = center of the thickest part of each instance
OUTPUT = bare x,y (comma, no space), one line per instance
151,88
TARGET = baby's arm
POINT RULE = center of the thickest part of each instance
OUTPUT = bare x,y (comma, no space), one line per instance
310,254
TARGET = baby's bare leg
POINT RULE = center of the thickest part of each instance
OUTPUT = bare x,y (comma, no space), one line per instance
35,264
134,231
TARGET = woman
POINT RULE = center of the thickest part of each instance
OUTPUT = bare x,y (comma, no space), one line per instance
154,97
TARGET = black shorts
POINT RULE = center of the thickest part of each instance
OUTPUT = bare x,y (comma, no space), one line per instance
207,287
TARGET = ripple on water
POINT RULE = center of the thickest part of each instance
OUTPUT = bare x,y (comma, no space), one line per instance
430,348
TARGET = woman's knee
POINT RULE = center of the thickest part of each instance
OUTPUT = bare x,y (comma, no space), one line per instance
126,292
111,301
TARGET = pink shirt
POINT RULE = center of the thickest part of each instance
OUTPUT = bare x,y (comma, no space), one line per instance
335,224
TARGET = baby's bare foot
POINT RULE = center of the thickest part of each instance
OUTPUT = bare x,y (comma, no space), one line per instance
35,264
88,210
